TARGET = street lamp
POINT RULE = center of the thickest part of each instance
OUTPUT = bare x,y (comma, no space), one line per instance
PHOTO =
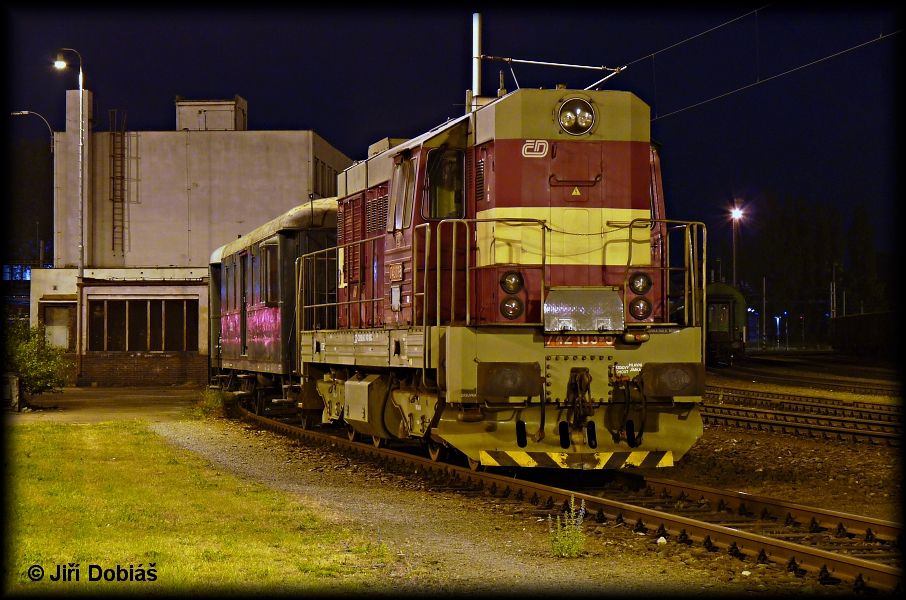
736,215
22,113
60,63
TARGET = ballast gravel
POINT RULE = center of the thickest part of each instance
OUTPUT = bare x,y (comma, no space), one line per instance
447,542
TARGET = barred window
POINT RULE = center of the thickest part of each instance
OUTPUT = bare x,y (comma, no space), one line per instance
139,325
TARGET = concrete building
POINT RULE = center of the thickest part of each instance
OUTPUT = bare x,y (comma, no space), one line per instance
128,291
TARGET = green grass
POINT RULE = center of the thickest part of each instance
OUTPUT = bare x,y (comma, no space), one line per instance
115,494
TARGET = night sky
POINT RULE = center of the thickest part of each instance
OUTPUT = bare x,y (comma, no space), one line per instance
824,132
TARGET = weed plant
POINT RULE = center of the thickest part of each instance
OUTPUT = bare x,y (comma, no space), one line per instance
211,403
566,535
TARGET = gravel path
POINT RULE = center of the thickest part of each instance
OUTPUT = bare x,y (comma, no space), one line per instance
450,542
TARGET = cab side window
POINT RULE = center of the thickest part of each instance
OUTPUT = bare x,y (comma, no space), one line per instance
399,213
445,184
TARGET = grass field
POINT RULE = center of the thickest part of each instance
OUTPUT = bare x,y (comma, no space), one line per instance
115,495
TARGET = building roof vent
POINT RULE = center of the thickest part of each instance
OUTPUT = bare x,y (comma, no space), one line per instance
212,115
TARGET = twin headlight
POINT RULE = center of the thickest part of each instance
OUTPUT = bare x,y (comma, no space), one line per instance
512,307
576,116
640,307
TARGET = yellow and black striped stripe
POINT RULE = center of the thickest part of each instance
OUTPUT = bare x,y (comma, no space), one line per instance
576,460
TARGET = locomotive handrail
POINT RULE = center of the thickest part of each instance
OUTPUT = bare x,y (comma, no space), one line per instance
694,254
553,180
423,294
466,223
347,304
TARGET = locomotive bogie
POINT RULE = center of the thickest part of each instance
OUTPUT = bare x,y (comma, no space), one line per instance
418,408
367,409
332,392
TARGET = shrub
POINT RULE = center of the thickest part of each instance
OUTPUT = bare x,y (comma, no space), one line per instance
41,367
566,536
211,402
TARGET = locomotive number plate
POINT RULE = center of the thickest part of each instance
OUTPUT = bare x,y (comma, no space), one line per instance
578,341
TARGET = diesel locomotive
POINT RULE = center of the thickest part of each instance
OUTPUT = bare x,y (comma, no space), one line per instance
506,287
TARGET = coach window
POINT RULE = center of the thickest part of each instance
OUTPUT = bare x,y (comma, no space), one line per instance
719,316
399,216
226,287
445,177
270,269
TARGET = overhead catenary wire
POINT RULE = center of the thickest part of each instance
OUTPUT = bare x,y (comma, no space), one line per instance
758,79
776,76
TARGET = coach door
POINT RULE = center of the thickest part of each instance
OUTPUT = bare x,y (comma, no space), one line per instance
243,303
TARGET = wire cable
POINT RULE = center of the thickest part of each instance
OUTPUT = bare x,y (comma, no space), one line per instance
778,75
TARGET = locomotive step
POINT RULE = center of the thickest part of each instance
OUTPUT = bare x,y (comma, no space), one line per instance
282,401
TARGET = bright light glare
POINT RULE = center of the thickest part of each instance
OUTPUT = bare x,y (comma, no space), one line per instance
736,213
59,64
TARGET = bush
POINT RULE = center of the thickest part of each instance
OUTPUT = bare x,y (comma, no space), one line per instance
211,403
40,366
567,538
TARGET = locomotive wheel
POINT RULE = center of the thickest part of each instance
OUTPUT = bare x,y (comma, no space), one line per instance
436,452
377,441
306,421
351,433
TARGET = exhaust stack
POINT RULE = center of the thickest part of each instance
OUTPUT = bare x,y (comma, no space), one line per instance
476,54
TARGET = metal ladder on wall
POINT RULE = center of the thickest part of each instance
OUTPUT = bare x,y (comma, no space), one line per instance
118,179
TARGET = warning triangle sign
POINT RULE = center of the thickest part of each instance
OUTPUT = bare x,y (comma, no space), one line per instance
576,192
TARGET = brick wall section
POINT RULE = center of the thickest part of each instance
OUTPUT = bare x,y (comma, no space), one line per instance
143,368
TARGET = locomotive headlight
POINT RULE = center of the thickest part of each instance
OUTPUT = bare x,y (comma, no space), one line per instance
585,119
511,282
511,307
576,116
640,308
640,283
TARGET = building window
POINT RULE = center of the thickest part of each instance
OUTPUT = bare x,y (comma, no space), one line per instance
141,325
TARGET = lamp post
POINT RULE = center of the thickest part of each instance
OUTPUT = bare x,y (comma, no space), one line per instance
22,113
60,63
736,215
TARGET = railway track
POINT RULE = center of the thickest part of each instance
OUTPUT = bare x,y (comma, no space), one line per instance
835,548
815,380
826,418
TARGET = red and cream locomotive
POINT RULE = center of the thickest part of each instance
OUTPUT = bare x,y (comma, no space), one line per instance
506,286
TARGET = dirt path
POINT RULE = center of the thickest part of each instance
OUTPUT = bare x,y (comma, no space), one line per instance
93,405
